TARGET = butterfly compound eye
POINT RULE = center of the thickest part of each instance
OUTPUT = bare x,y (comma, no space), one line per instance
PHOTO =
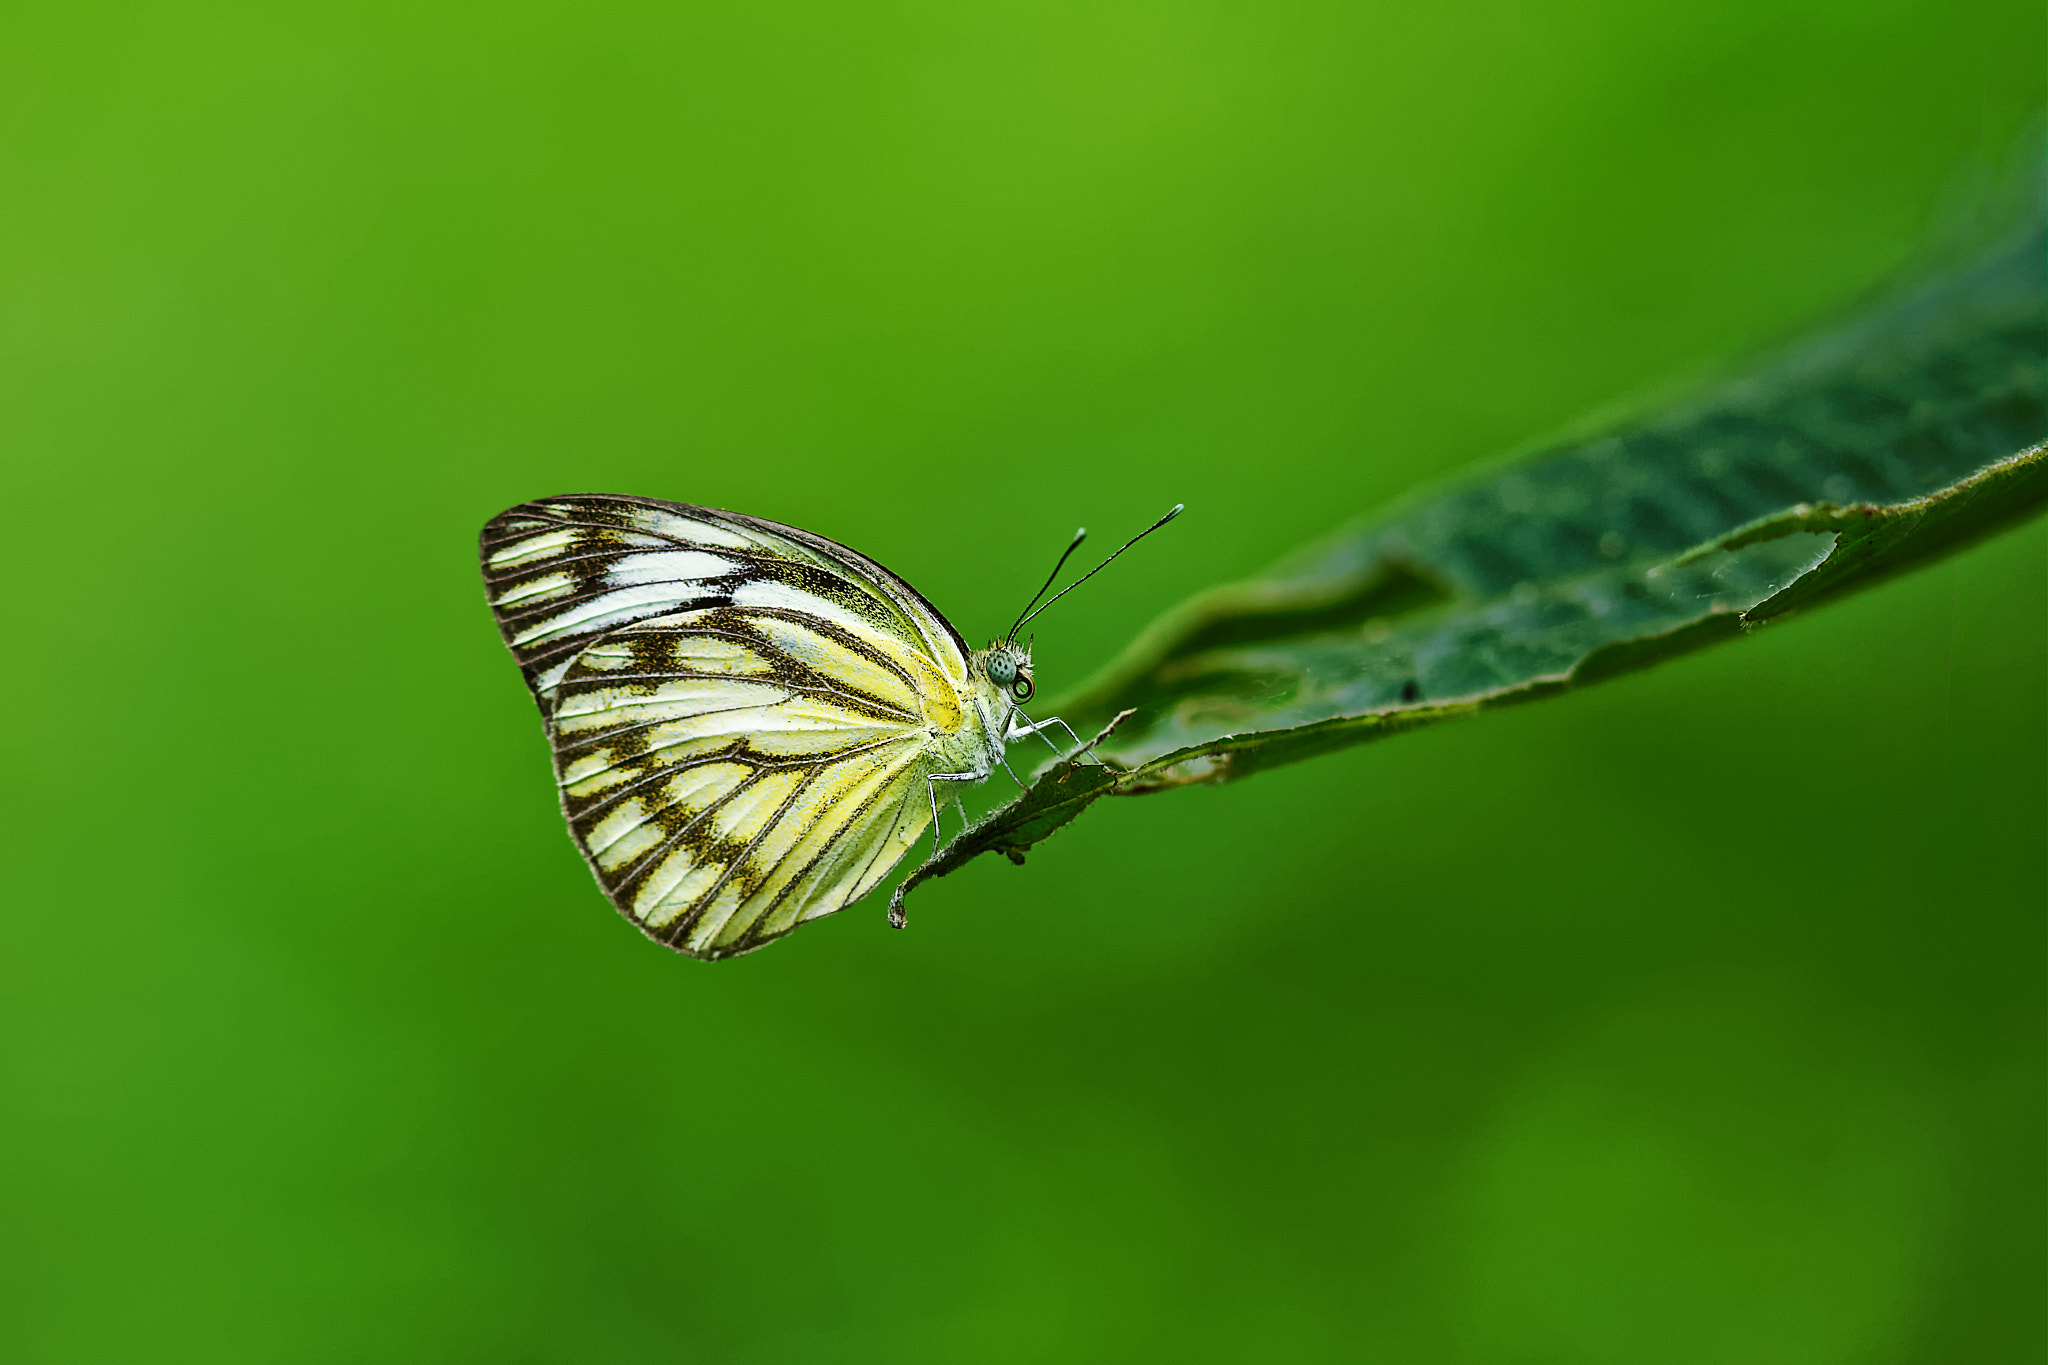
1002,669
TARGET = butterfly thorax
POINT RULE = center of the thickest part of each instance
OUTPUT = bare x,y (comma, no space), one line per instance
997,678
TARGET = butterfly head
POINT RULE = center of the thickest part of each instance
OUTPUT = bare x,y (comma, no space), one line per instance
1007,664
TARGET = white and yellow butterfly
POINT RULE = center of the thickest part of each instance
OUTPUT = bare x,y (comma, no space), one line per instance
750,723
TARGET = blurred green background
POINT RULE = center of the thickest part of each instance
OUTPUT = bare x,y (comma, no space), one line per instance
1697,1018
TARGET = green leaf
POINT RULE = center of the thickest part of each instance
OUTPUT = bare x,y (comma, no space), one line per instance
1864,450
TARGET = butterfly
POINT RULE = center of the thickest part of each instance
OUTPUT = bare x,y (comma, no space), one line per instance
751,724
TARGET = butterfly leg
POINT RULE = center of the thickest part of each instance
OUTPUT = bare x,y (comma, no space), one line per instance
896,915
931,786
1017,732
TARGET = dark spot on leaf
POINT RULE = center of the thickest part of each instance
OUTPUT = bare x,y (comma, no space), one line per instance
1411,690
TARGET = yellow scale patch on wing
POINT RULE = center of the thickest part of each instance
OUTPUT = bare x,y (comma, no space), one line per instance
696,788
940,698
803,872
547,586
675,526
684,699
686,799
747,813
636,583
621,820
704,654
629,829
541,546
847,668
685,875
763,599
805,727
676,899
801,727
623,846
656,652
599,770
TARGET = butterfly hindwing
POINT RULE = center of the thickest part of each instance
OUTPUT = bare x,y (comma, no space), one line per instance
738,710
709,773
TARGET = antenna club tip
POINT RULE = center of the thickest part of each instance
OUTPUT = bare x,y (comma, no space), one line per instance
1178,508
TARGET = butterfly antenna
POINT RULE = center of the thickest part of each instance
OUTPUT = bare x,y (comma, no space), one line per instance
1025,619
1066,554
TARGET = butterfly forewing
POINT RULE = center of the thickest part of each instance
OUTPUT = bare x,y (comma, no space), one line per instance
738,710
563,571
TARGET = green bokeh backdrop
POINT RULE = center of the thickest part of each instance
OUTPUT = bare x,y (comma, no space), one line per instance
1697,1018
